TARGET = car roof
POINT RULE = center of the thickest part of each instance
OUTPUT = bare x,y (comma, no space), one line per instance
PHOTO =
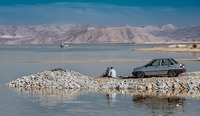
162,58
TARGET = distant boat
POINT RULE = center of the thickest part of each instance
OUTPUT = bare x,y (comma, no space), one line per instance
63,45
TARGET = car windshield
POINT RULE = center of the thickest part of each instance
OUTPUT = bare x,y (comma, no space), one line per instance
148,64
153,62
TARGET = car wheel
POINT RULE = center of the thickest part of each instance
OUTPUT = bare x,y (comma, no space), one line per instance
171,73
140,74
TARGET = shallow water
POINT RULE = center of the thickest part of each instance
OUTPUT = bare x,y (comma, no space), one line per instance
16,103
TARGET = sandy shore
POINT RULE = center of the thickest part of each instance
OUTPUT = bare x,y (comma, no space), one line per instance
168,49
186,48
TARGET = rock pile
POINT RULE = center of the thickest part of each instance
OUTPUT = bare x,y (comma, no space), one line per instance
65,79
56,78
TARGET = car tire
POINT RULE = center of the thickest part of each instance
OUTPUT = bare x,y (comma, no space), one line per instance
171,73
140,74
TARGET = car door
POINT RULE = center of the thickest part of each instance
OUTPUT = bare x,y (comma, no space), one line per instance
153,68
165,66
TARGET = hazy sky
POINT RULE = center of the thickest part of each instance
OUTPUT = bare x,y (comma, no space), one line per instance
180,13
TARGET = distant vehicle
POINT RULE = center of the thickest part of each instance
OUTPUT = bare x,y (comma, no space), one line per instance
157,67
63,45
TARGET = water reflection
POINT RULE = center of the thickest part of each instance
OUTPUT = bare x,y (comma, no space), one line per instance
156,102
111,97
160,105
50,96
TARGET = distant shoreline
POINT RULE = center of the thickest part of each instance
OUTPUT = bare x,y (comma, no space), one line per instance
193,48
165,49
85,61
178,42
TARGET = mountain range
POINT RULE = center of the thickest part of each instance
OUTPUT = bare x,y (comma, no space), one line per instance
73,33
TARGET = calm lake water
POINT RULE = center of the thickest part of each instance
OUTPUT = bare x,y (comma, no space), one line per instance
79,103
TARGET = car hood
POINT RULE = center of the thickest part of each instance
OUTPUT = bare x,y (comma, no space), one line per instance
139,68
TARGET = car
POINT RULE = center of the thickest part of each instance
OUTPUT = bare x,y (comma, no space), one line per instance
158,67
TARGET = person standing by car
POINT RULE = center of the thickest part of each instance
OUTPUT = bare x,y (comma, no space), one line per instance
112,72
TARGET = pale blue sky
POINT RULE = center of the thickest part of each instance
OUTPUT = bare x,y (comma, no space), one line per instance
180,13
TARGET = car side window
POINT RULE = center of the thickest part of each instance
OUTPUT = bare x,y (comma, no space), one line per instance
167,62
156,63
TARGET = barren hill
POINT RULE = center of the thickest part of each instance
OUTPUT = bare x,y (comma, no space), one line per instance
70,33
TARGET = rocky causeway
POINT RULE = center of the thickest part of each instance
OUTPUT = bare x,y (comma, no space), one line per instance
65,79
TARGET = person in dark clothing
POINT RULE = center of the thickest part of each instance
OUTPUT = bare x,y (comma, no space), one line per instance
106,74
